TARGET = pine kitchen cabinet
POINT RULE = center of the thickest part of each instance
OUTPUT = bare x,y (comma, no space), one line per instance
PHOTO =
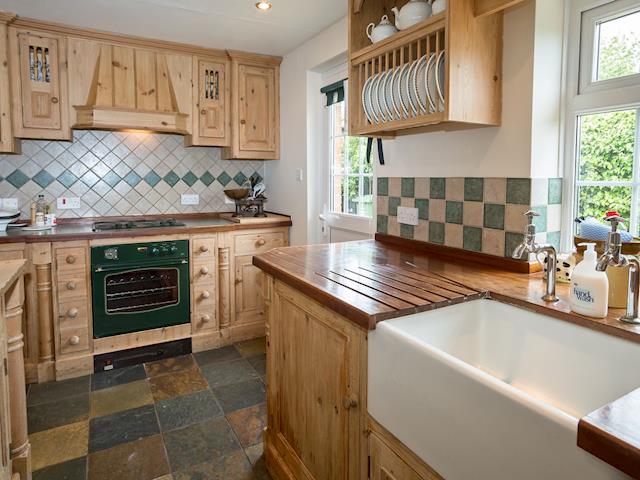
8,143
255,107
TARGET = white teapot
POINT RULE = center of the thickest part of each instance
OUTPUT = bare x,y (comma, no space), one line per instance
413,12
438,6
382,31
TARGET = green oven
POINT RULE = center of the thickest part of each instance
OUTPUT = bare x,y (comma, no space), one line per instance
139,286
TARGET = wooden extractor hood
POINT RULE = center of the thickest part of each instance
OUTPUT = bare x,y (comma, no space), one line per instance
118,87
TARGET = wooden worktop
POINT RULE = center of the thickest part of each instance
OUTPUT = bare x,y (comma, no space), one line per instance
328,272
81,228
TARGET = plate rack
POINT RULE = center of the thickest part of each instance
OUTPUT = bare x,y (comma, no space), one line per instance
397,54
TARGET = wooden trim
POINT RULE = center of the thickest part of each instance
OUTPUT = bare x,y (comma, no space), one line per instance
458,254
254,58
140,339
7,17
484,8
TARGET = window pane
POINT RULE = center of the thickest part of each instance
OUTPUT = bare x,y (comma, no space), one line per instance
338,155
607,142
337,193
596,201
357,154
618,47
360,196
339,122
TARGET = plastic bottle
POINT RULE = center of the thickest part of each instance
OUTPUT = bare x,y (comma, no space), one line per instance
589,288
40,204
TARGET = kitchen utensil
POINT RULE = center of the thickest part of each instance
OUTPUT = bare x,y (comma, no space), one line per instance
258,190
381,31
237,193
412,13
440,79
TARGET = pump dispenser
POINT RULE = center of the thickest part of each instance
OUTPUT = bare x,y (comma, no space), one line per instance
589,287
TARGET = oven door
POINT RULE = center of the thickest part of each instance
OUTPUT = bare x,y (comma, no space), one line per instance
131,299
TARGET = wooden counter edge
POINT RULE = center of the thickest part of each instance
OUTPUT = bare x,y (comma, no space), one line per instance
9,271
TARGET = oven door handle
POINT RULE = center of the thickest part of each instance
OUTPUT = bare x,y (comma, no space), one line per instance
113,268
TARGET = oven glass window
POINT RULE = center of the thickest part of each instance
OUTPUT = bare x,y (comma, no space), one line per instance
141,290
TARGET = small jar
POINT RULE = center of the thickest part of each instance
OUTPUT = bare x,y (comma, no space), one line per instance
39,219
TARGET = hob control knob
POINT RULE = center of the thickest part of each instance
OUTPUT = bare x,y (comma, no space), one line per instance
173,249
155,251
164,251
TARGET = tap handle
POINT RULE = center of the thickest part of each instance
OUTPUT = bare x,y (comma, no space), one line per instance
614,220
530,214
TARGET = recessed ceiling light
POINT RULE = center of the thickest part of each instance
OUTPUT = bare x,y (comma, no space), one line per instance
263,5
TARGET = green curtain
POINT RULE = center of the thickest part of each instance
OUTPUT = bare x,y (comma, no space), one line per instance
334,92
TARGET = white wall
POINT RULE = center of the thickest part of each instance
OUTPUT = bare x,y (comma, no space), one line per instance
299,93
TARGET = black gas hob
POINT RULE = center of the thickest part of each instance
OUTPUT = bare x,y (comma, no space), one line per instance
144,223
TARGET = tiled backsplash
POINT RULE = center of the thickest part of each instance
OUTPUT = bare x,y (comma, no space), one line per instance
477,214
122,173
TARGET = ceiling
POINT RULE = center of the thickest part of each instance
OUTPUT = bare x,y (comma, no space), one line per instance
227,24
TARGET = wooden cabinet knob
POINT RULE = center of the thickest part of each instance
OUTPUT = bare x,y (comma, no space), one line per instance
243,122
54,100
261,242
205,294
204,248
72,313
205,318
71,285
349,403
71,259
203,112
75,340
204,270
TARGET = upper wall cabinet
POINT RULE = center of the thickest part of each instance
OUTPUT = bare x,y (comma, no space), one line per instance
39,81
115,86
8,144
444,72
211,94
255,107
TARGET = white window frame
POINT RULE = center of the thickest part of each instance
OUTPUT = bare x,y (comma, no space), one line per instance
585,96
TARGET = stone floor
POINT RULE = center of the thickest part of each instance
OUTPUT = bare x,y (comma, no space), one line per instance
197,416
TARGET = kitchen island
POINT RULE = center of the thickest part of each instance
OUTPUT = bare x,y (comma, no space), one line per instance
322,301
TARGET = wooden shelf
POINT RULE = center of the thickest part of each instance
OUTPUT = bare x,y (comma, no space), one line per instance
403,37
394,125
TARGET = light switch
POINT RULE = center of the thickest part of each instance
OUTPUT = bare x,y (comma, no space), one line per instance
408,215
68,203
10,204
190,199
299,174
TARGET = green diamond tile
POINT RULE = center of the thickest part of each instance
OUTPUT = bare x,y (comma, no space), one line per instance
422,204
541,220
406,231
394,203
494,216
152,178
437,188
132,178
224,179
511,241
67,178
111,178
383,186
408,187
519,190
189,178
474,189
207,178
43,178
555,191
382,224
436,232
453,212
171,178
472,239
17,178
240,178
256,178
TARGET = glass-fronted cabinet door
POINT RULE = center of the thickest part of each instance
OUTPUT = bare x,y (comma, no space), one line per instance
40,77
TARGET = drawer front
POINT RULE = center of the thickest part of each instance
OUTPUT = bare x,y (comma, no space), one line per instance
258,242
203,249
204,307
71,259
74,339
70,287
204,273
73,313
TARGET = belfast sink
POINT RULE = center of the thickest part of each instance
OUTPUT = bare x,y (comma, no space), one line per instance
485,390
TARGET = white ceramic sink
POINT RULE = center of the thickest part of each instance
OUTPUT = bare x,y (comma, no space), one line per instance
485,390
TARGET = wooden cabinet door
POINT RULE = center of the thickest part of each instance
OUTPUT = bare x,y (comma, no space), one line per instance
5,426
257,108
212,107
248,291
7,142
42,100
314,363
386,465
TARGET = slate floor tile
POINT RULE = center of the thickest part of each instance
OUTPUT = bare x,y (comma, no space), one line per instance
234,466
44,416
251,348
225,373
58,445
254,452
249,424
123,397
122,427
259,363
69,470
186,410
169,365
199,443
118,376
176,384
142,459
240,395
54,391
218,355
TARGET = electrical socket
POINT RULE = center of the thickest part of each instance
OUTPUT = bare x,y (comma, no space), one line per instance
408,215
190,199
68,203
10,204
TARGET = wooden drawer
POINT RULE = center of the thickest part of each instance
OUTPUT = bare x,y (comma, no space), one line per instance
71,259
203,249
204,273
258,242
73,313
70,287
74,339
204,308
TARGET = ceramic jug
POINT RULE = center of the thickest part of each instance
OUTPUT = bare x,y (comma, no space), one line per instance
438,6
383,30
413,12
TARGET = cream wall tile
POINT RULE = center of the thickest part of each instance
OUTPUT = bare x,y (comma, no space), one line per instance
436,210
383,206
539,191
493,242
495,190
453,235
394,227
408,202
394,187
422,187
455,189
472,214
554,218
421,231
514,219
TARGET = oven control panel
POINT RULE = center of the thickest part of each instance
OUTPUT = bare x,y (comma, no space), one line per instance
133,252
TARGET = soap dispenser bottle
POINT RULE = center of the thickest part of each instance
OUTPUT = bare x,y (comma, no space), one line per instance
589,288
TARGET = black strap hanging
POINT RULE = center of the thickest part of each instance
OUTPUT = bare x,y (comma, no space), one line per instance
380,150
334,92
